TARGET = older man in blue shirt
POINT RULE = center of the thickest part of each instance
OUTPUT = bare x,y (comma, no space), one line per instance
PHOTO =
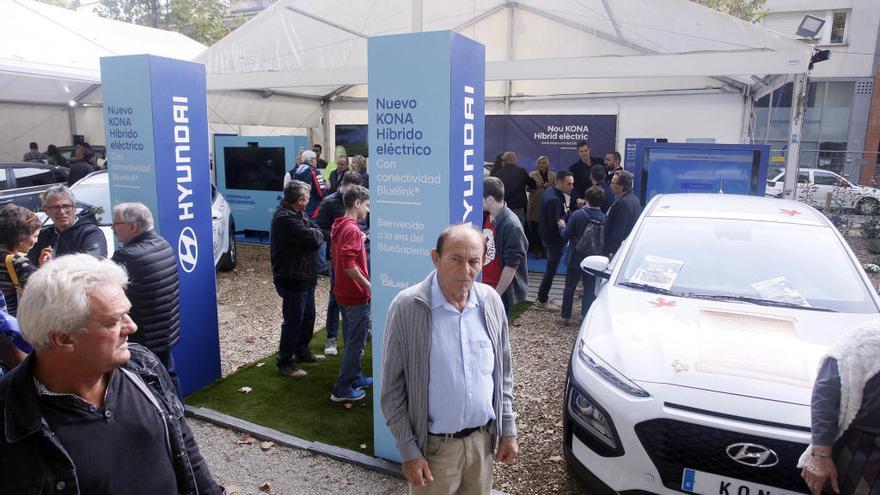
447,386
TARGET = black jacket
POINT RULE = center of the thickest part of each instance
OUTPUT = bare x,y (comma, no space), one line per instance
78,170
32,460
622,218
331,208
552,210
153,290
582,182
516,180
294,251
84,236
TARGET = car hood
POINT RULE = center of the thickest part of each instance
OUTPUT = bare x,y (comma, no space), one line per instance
734,348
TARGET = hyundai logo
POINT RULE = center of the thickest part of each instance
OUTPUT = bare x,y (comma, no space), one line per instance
752,454
187,249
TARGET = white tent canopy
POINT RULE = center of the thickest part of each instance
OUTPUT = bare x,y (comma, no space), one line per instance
50,56
535,49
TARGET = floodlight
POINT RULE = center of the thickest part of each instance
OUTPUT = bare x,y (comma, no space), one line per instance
71,103
810,26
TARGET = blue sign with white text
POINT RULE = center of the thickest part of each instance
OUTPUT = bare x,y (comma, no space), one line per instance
156,123
426,128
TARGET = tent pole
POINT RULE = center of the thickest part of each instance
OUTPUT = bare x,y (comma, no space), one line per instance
416,16
508,85
71,122
798,99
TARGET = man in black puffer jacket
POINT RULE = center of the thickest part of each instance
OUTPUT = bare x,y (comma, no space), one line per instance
295,242
69,233
154,290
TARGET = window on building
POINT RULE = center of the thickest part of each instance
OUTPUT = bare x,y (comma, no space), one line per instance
838,27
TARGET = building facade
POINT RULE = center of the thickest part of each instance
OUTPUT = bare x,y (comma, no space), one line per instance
841,126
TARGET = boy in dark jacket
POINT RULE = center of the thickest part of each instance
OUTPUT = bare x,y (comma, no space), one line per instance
353,291
295,240
588,216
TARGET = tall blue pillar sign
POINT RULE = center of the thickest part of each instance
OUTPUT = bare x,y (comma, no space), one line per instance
156,127
426,134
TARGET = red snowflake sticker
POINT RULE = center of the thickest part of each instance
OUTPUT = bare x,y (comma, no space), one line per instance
661,302
790,213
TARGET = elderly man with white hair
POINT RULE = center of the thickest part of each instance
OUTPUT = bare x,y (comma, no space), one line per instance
154,289
89,412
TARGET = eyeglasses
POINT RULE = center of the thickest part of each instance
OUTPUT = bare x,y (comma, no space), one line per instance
57,208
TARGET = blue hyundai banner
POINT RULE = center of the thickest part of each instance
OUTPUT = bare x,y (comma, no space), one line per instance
426,113
553,136
156,123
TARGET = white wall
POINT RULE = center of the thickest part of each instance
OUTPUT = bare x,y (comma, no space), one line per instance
676,117
25,123
855,57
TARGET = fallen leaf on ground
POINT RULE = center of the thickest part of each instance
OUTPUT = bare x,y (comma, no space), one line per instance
233,489
347,405
260,365
266,445
555,458
245,390
363,446
265,487
344,481
245,440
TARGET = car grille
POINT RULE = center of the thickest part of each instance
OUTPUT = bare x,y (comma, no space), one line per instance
674,445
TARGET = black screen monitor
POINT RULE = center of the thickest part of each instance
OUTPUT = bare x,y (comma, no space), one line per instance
254,168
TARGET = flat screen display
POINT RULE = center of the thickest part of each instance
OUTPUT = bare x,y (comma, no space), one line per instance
684,170
254,168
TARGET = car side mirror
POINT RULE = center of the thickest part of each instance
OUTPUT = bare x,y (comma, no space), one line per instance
596,266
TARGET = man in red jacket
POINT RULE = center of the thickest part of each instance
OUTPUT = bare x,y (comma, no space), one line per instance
352,290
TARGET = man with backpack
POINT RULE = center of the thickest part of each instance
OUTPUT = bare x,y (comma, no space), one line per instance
585,233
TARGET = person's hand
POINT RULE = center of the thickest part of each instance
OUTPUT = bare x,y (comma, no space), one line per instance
507,450
561,223
817,471
45,255
417,472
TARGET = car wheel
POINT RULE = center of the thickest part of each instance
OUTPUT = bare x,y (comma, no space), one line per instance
230,257
867,206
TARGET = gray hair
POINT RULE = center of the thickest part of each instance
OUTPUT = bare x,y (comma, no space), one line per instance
294,190
136,213
56,191
57,295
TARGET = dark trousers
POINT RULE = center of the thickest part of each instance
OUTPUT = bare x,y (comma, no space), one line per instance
355,321
167,360
535,243
554,255
298,313
332,306
573,275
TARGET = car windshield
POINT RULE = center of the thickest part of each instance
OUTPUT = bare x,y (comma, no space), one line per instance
776,264
95,192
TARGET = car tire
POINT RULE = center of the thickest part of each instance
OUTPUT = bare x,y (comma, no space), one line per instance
868,206
230,257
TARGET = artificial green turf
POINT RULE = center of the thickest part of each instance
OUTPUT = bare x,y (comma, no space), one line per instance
301,406
298,406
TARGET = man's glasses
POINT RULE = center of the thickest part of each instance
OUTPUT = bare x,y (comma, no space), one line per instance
57,208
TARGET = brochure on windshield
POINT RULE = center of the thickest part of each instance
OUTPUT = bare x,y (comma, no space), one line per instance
777,289
657,271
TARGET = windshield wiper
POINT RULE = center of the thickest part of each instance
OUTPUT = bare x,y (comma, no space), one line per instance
651,288
756,300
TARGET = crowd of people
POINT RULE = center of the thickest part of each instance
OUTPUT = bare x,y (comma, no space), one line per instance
583,210
83,161
85,342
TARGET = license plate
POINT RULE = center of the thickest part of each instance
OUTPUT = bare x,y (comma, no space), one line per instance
704,483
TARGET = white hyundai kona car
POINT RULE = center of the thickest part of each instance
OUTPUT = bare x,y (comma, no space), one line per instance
692,371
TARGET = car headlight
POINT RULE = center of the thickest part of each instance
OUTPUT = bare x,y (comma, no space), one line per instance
609,374
590,416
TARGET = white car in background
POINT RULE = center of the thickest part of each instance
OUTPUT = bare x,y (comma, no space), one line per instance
692,371
813,186
93,191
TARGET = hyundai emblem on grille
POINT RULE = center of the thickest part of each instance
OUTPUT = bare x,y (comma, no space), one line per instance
752,454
